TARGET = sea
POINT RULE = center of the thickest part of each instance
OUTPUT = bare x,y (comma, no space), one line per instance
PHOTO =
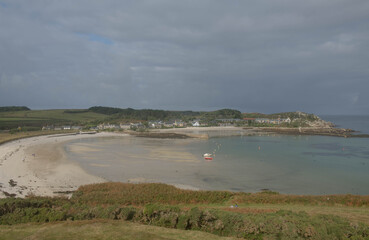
314,165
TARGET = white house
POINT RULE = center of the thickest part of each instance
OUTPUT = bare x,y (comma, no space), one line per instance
196,124
125,126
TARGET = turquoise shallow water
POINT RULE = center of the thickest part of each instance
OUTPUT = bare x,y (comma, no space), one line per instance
287,164
293,164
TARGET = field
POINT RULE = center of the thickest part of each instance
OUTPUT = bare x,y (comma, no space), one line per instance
7,137
38,118
159,211
21,124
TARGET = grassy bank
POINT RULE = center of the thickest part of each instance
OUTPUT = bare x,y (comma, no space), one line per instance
99,229
113,206
8,137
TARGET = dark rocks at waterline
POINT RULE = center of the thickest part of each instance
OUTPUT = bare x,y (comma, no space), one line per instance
334,132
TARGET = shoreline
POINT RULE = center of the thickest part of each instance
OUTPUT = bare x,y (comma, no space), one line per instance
211,132
312,131
195,132
37,166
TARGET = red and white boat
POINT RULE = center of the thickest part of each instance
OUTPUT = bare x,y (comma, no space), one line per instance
208,156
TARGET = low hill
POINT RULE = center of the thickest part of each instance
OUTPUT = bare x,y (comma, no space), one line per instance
23,117
38,118
291,115
13,109
143,114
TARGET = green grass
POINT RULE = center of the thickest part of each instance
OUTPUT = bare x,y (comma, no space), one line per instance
289,217
61,114
326,200
354,214
7,137
99,229
53,114
9,120
144,193
126,194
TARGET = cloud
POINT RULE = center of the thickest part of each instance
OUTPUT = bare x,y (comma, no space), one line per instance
343,44
266,56
97,38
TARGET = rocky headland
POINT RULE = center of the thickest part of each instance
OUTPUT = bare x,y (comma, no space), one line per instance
309,124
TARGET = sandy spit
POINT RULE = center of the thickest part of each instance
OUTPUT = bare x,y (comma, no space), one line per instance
37,166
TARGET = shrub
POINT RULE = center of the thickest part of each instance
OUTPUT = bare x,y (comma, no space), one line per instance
145,193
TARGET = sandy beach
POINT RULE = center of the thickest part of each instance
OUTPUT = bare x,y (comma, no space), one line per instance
37,166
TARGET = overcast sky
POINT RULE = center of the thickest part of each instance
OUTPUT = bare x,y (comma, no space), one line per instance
251,55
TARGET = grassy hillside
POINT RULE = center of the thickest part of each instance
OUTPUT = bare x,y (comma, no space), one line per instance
112,209
38,118
33,119
13,109
150,114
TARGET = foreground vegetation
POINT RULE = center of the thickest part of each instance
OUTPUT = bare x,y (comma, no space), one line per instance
264,215
99,229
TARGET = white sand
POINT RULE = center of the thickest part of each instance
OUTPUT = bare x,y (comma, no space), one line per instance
38,166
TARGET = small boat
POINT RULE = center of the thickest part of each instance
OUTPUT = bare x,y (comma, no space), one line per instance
208,156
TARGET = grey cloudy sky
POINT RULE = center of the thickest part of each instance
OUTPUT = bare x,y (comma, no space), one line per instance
255,55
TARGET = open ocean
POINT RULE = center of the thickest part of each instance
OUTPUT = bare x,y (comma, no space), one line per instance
286,164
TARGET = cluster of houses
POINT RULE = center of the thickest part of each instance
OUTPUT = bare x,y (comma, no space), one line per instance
175,123
62,128
170,124
150,124
268,120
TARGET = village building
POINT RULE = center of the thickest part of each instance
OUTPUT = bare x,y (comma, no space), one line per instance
179,123
108,126
196,123
135,126
224,122
45,128
273,121
155,124
125,126
169,124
